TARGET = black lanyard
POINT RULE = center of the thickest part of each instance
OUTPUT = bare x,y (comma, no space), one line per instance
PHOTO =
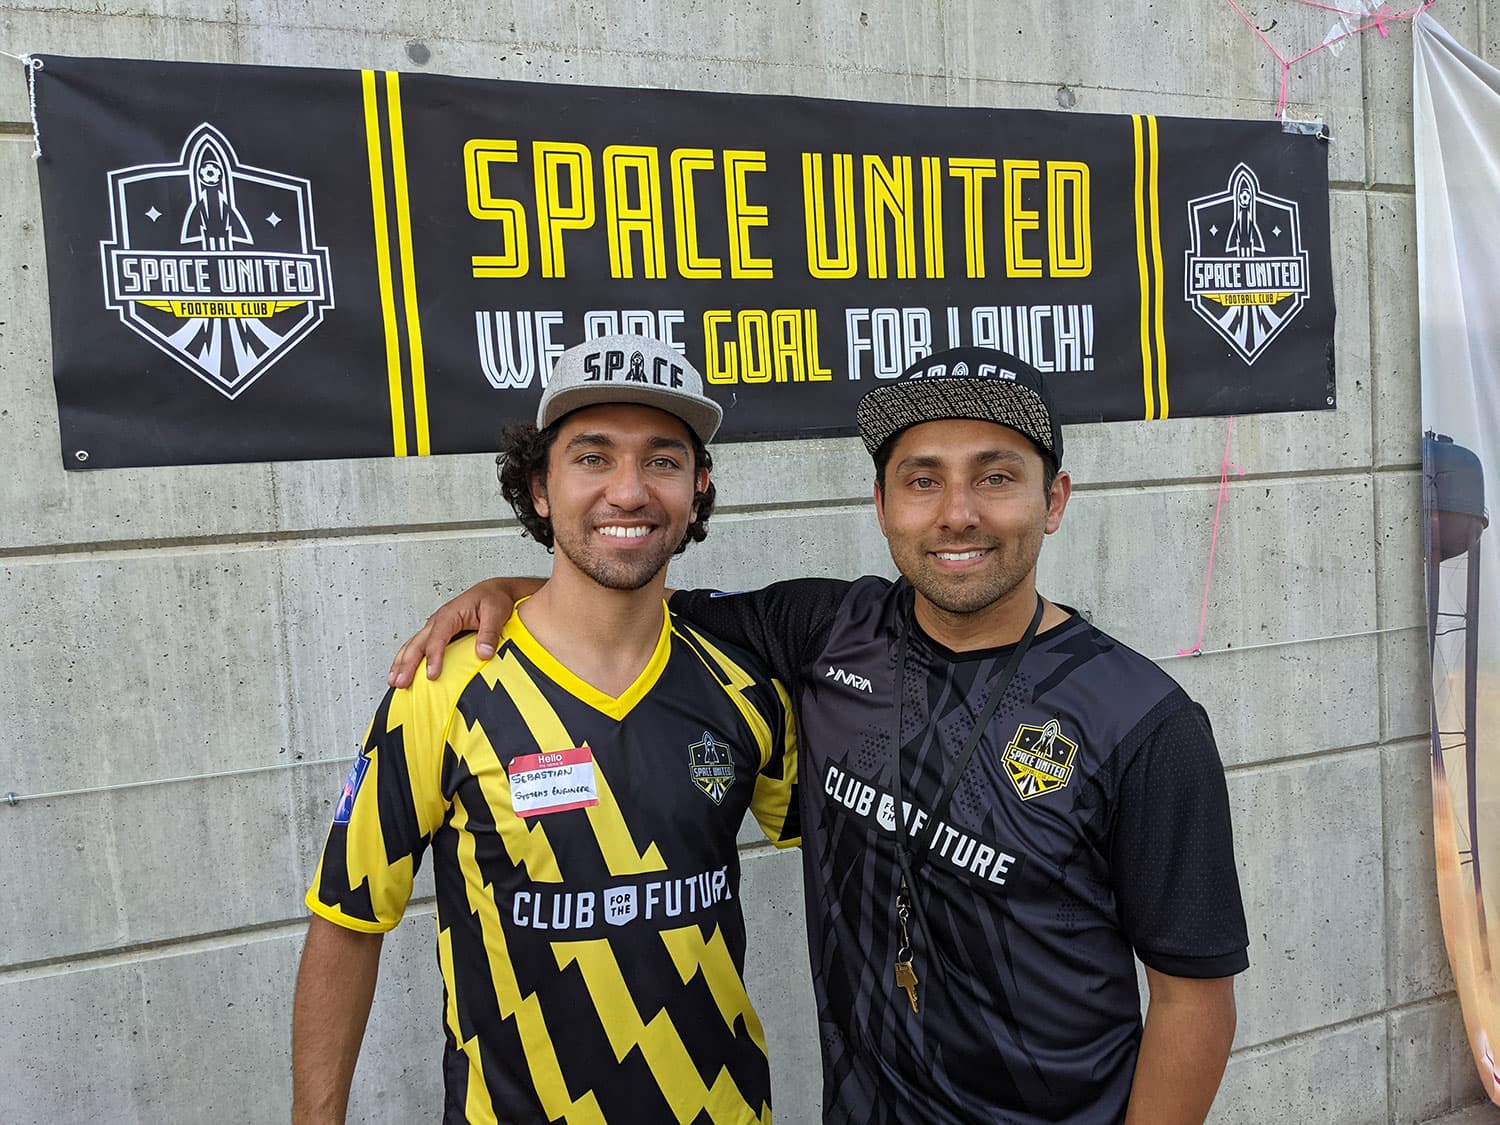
907,897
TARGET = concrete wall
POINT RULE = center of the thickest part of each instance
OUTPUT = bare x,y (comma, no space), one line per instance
191,623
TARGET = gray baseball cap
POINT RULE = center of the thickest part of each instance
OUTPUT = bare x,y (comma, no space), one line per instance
630,369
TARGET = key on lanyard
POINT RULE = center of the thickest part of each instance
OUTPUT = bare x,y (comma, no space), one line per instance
906,976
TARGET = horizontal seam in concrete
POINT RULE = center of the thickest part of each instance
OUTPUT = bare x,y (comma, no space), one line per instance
1356,187
1409,744
270,540
1210,479
1442,998
17,798
25,971
757,848
153,17
1291,761
813,506
111,550
256,540
1313,1033
1290,643
14,798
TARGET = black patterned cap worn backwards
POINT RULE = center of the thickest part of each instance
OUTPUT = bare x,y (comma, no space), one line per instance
979,383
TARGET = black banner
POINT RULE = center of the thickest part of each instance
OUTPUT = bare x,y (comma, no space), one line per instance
253,263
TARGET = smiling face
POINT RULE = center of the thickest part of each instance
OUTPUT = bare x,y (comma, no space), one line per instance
619,492
964,512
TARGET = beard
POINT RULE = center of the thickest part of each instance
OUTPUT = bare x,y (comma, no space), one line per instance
591,554
1006,567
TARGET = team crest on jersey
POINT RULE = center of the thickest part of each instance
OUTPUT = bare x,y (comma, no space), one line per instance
215,262
1039,759
711,764
1246,270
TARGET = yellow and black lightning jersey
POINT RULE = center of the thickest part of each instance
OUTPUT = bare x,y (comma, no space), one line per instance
589,927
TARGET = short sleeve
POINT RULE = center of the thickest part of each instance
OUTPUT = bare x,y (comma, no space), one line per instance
1172,853
390,805
774,801
785,624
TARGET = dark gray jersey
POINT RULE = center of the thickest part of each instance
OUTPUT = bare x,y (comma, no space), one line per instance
1091,824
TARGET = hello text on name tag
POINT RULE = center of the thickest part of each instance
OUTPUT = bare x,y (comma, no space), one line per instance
554,781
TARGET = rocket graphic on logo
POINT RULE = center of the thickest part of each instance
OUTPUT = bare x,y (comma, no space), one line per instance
215,262
1244,235
711,766
1246,270
1039,759
213,222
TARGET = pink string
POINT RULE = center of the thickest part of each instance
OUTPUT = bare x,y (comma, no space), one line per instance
1378,22
1333,8
1213,542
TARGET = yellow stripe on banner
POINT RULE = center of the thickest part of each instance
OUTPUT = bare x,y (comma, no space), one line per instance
383,265
408,265
1161,335
1147,378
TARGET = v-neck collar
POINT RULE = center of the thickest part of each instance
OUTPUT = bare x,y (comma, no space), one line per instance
616,707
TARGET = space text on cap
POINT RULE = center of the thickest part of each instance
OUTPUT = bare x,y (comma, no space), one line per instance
663,373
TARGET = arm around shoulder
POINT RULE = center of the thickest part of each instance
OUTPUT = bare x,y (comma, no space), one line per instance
484,607
782,624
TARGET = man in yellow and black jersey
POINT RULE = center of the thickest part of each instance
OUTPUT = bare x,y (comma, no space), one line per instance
580,792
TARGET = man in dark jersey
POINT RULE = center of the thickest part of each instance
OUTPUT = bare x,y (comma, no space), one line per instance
580,789
1002,806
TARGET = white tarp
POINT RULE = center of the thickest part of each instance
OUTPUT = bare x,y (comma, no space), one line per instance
1456,106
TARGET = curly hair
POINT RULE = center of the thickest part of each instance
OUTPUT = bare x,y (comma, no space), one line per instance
523,456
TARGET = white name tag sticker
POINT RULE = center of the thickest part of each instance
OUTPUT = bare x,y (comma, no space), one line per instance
553,782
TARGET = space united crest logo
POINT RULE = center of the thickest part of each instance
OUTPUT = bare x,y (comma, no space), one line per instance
711,764
1039,759
215,262
1246,270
